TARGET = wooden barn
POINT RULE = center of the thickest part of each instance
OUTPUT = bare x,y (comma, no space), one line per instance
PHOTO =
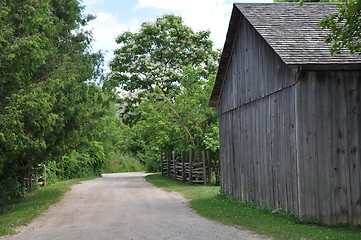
290,114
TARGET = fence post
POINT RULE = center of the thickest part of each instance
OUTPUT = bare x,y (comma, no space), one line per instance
174,166
209,170
204,168
168,165
162,163
36,177
183,168
45,183
190,167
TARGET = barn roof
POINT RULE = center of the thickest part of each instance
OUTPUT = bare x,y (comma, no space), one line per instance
290,29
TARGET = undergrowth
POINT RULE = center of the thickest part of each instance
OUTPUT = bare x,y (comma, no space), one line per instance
123,162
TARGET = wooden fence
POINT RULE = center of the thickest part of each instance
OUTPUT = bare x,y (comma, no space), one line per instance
193,167
36,177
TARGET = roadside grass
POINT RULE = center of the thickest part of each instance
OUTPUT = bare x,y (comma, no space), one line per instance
210,203
25,210
123,162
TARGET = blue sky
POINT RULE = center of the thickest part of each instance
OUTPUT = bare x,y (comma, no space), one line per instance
116,16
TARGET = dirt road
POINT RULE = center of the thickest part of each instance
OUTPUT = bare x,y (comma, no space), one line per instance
124,206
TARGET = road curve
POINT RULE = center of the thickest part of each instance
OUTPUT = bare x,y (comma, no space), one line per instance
124,206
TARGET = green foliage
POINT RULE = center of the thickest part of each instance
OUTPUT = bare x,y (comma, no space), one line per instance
123,162
166,72
50,111
208,202
345,27
83,162
154,59
175,122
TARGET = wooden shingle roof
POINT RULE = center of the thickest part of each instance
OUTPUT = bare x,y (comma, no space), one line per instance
292,31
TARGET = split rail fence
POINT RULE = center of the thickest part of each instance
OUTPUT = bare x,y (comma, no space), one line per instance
193,167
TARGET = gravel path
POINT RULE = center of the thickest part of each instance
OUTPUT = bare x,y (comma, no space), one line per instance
124,206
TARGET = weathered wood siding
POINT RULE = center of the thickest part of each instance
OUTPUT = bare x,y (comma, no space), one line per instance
257,125
328,146
290,141
258,152
255,70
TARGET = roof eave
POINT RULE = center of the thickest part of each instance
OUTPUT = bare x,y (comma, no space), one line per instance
225,57
327,66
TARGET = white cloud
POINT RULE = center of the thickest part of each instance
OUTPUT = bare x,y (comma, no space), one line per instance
210,15
213,15
92,2
106,28
169,4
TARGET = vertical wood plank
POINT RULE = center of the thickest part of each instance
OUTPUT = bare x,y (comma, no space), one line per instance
354,139
168,164
174,166
209,168
293,152
299,148
339,149
205,180
190,158
183,167
324,144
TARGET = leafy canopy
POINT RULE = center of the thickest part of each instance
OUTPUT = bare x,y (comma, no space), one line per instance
50,113
154,59
165,72
345,27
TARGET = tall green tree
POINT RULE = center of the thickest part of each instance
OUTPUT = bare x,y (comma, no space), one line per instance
175,122
154,58
165,72
50,111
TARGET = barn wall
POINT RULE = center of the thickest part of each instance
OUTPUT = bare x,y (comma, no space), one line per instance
258,152
328,143
257,125
289,141
255,70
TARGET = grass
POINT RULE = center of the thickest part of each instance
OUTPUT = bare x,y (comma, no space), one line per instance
36,202
210,203
123,163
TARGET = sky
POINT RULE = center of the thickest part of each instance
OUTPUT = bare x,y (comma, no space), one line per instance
114,17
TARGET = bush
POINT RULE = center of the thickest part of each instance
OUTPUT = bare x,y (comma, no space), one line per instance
87,161
150,160
123,162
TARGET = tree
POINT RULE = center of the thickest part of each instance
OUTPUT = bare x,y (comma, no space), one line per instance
167,72
154,58
176,122
345,27
50,112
